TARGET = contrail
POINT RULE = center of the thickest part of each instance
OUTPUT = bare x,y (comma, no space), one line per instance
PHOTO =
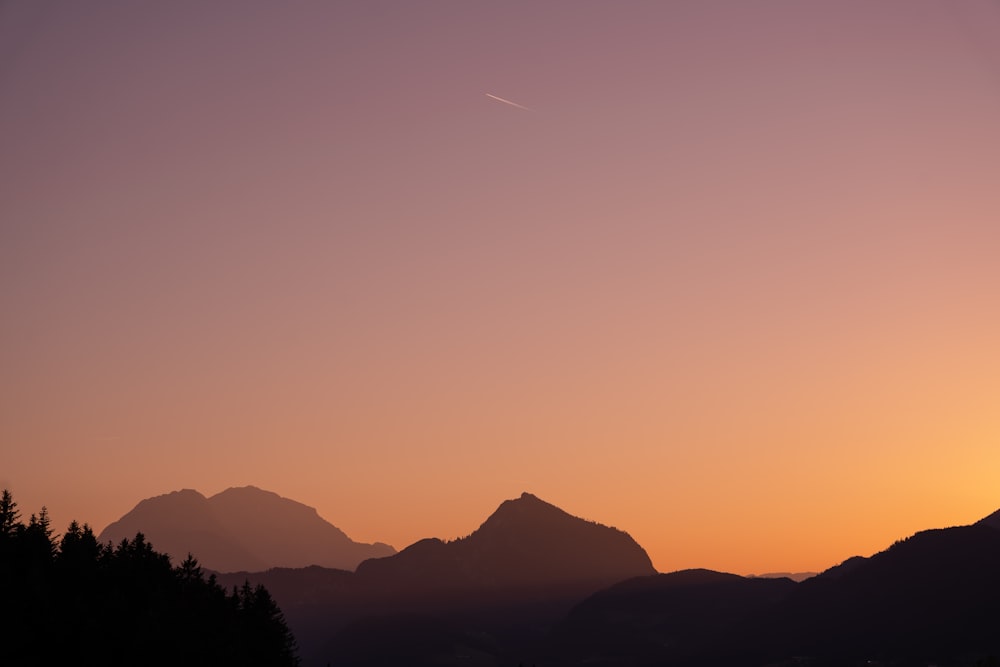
513,104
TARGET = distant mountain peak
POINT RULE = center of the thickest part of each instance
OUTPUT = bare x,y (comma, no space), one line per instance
527,506
189,494
526,541
242,529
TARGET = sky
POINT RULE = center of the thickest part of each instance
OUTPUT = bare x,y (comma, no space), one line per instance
724,275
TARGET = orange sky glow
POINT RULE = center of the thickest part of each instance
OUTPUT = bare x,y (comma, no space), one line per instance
732,285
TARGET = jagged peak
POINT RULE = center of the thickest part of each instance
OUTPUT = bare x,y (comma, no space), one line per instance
182,492
527,500
527,507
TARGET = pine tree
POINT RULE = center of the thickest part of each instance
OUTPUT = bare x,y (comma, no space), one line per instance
9,515
78,546
272,632
189,570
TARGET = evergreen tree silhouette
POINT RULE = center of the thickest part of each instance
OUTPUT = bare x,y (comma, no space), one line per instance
9,514
80,602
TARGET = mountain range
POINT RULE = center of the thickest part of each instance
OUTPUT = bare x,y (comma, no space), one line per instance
534,584
241,529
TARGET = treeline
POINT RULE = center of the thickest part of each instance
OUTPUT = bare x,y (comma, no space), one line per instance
74,601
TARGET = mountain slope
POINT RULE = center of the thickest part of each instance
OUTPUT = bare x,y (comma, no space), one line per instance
928,599
684,617
993,520
241,529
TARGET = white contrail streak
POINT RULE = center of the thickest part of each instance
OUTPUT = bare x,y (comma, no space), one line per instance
513,104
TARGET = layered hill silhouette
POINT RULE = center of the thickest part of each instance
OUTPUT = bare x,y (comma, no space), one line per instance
488,593
241,529
534,584
928,599
684,617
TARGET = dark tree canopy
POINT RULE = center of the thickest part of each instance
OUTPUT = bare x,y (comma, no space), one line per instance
75,601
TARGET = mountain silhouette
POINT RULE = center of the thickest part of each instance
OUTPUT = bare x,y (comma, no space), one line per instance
684,617
241,529
488,597
490,594
526,542
928,599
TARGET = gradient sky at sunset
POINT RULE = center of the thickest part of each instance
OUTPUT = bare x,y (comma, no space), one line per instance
730,282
